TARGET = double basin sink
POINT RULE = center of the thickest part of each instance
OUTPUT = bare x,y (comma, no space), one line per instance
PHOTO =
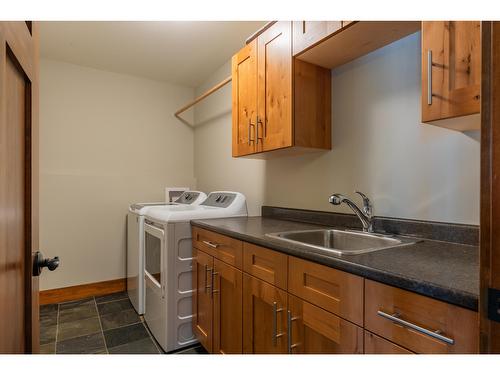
341,242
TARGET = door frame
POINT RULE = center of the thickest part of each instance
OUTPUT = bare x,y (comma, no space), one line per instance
489,330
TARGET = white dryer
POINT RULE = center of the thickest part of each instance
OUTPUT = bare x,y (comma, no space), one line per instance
169,264
135,243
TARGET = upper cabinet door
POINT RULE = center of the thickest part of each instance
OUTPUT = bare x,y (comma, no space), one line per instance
244,77
274,125
307,33
451,53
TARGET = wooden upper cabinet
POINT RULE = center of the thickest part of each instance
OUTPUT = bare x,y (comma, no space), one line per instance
202,298
292,100
451,73
244,86
307,33
227,309
313,330
264,317
275,86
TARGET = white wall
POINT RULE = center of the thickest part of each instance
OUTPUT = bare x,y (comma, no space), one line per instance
380,147
106,140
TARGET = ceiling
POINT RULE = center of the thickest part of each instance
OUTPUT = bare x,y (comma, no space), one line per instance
181,52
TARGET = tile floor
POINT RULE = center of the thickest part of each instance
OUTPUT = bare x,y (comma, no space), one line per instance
97,325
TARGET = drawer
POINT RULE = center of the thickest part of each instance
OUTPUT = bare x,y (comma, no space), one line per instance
265,264
338,292
377,345
224,248
412,321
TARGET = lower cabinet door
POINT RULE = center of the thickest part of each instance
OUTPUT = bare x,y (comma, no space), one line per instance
227,308
202,298
264,317
377,345
314,330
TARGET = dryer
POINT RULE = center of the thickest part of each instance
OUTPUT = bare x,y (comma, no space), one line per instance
169,264
135,243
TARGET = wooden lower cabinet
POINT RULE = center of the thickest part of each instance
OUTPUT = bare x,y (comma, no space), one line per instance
264,317
202,298
227,309
377,345
314,330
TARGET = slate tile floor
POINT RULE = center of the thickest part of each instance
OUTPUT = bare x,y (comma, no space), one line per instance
97,325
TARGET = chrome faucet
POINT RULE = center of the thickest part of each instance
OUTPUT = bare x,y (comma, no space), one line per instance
365,215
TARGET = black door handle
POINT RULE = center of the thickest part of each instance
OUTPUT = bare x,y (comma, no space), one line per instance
40,262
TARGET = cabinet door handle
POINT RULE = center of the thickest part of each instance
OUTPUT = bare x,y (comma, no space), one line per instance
435,334
275,323
250,140
207,287
211,244
257,130
429,77
213,282
290,319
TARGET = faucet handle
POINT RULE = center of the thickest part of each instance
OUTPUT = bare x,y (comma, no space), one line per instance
367,205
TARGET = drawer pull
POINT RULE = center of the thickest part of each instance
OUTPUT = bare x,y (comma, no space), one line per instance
435,334
211,244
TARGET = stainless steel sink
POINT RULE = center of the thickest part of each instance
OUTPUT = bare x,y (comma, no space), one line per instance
341,242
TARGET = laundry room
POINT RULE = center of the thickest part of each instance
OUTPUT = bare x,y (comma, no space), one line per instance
284,183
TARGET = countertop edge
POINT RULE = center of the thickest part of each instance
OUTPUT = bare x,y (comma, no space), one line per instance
448,295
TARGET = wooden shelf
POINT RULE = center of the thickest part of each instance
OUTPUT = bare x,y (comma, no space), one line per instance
356,39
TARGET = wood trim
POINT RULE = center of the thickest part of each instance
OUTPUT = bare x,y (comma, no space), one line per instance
82,291
260,31
490,168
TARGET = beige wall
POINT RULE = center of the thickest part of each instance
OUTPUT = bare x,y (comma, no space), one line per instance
380,147
106,140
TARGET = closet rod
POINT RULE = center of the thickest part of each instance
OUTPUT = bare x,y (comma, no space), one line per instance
203,96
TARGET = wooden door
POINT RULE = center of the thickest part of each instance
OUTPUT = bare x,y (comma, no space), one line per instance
455,64
275,86
227,309
202,298
244,94
308,33
489,300
19,325
314,330
264,317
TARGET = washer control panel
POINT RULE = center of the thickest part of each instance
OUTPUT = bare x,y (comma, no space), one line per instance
219,199
188,197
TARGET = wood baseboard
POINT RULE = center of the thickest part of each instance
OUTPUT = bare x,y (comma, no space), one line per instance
82,291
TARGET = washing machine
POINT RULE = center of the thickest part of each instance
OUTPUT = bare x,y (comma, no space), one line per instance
135,243
169,264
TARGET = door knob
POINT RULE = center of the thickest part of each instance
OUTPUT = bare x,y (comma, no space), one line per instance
41,262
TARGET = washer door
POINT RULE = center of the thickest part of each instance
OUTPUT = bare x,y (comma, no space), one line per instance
154,280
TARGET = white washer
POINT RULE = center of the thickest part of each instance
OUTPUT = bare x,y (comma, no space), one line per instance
135,243
169,264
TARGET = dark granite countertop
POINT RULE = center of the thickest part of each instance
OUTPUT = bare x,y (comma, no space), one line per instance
442,270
